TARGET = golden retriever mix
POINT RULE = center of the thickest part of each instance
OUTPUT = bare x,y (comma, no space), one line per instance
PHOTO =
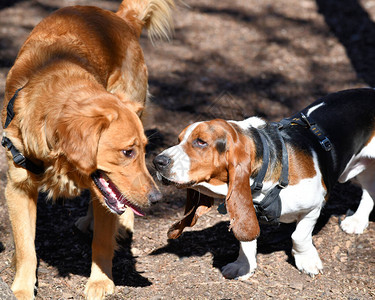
70,123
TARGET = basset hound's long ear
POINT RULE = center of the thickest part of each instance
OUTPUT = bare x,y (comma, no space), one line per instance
239,201
197,204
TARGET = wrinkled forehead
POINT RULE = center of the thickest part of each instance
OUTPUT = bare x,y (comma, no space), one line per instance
205,130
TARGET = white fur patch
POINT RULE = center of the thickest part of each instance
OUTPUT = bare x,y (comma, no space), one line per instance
305,196
181,161
215,191
358,163
312,109
255,122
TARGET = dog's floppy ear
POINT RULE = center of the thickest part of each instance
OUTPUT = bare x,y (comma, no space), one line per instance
197,204
239,201
135,106
132,105
76,137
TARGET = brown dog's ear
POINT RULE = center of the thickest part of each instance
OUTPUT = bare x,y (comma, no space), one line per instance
76,138
135,106
239,201
132,105
197,204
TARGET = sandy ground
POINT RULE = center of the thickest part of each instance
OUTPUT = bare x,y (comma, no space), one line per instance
228,59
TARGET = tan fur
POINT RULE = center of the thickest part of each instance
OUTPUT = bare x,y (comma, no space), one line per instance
156,16
84,81
300,166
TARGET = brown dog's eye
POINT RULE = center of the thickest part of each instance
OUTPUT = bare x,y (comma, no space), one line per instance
129,153
199,143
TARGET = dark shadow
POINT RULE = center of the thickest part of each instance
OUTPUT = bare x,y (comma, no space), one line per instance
222,244
198,86
60,244
9,3
354,28
224,247
155,141
2,247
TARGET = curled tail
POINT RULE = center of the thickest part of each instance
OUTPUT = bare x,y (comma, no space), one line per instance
155,15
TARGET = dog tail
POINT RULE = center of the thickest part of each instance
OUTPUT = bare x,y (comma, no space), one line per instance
155,15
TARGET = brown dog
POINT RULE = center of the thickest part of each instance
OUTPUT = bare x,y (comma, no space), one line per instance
70,119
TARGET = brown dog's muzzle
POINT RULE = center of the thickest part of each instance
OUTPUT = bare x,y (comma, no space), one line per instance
154,196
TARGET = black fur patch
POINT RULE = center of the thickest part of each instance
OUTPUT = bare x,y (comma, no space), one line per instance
221,145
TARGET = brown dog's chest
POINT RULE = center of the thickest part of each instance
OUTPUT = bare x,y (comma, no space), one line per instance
59,183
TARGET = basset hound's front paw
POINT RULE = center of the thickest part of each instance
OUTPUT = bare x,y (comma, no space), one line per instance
238,270
353,224
308,262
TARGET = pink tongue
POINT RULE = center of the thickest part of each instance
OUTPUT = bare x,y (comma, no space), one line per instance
112,193
138,213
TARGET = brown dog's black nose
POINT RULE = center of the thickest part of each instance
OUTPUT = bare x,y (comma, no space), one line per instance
155,196
161,162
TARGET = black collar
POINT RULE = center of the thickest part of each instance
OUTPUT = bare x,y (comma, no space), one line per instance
18,158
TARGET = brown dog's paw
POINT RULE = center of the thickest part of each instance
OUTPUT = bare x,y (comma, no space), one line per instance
24,295
98,289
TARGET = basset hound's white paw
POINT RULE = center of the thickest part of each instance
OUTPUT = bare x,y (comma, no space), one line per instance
238,270
353,224
308,262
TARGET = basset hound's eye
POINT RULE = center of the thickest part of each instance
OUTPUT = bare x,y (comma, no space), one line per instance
199,143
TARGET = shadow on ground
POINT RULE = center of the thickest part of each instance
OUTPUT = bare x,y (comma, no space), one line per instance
352,25
221,243
60,244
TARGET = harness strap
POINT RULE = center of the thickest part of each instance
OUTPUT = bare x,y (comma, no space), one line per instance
18,158
258,181
268,210
308,122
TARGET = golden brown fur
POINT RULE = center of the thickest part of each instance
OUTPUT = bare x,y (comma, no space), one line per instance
84,81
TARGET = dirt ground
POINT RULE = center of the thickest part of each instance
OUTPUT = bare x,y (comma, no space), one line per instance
228,59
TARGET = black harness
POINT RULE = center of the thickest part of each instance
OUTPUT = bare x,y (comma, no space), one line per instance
18,158
268,210
309,123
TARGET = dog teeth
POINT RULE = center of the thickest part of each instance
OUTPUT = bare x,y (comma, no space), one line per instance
121,206
103,182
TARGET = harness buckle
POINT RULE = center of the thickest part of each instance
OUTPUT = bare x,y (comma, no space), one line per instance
326,144
4,142
306,120
282,185
19,159
256,186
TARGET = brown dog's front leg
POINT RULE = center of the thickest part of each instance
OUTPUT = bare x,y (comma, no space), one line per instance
103,245
22,214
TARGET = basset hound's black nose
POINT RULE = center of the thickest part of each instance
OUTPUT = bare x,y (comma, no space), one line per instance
161,162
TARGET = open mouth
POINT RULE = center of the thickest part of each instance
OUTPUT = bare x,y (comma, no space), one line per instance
114,199
167,181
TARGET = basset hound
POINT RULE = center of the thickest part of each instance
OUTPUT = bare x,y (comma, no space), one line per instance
276,172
